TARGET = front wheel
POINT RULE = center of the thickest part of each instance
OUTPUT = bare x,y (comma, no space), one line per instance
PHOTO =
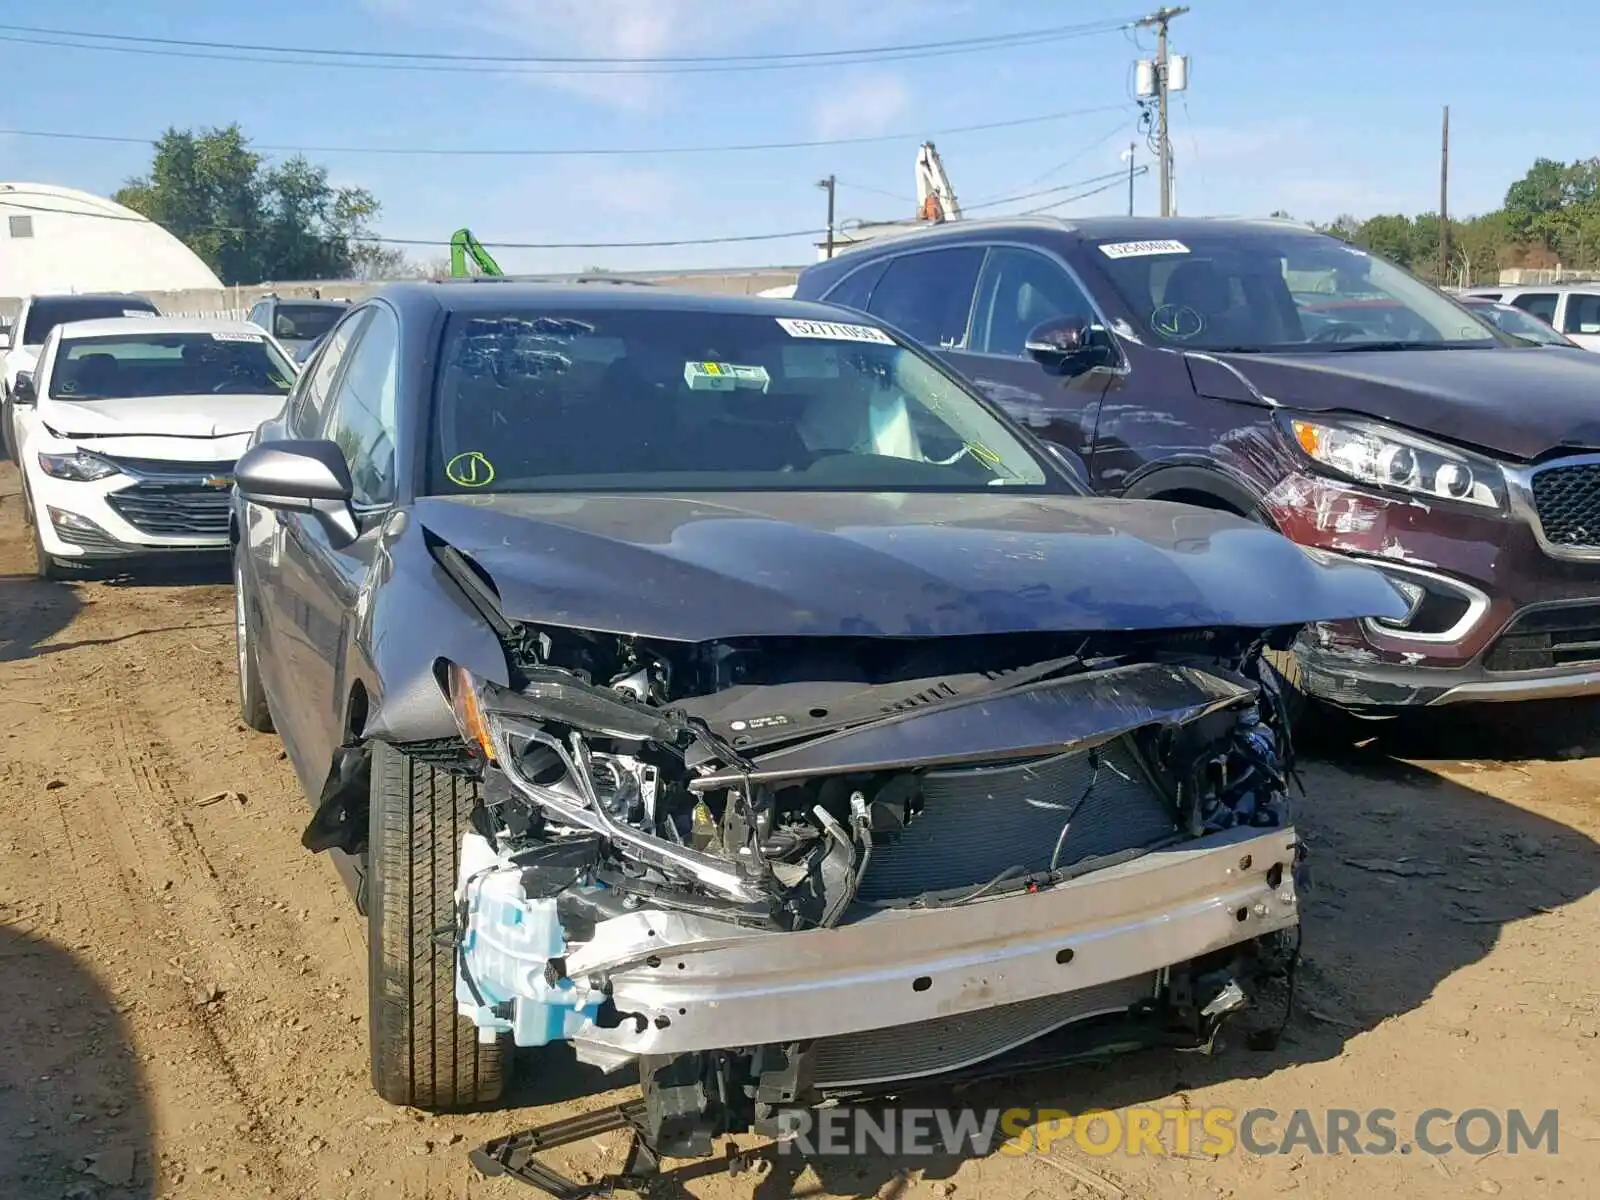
423,1053
253,710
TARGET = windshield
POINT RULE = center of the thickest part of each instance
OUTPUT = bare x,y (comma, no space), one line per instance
304,322
1510,319
1281,291
659,399
125,366
45,315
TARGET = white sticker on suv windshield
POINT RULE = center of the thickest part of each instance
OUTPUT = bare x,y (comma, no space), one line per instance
834,331
137,312
229,336
1142,249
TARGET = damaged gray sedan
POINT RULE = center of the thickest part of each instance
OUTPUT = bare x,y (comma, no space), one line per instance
721,685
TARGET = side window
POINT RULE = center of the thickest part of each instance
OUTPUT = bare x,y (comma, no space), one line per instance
311,398
857,287
258,317
361,415
1019,291
929,294
1583,313
1540,304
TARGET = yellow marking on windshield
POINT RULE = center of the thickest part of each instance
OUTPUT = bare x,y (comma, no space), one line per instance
470,470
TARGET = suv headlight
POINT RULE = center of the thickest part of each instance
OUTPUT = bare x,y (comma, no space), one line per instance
79,466
1385,457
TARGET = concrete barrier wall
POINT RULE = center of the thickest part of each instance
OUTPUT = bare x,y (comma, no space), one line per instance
235,302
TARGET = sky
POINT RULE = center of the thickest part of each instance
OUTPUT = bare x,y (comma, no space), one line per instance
1318,110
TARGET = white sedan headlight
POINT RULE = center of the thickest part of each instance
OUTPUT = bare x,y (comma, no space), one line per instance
79,466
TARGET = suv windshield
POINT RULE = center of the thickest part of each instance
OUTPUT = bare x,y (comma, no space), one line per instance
304,322
125,366
1273,290
45,315
645,400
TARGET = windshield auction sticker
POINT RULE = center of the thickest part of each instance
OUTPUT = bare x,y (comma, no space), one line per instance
834,331
469,470
227,335
1142,249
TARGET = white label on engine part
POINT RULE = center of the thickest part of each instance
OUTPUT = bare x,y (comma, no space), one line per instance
227,336
1142,249
834,331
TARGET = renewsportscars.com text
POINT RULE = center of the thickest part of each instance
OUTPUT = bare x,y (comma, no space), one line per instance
1133,1131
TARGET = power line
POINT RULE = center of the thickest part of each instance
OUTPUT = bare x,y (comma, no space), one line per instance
591,151
375,60
1118,174
726,239
1104,187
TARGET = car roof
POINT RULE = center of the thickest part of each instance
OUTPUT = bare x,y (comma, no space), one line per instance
308,303
1095,229
55,297
469,298
111,326
1507,289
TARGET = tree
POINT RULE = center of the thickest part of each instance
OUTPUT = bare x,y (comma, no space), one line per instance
248,220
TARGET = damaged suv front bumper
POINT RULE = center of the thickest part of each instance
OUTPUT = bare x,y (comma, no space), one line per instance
665,982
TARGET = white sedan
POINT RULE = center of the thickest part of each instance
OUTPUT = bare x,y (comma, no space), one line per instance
128,431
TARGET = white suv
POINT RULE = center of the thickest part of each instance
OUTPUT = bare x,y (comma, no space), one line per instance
1572,308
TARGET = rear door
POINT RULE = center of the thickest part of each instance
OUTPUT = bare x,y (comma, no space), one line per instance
927,294
1020,288
1580,318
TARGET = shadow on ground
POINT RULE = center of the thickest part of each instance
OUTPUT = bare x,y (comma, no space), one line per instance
74,1124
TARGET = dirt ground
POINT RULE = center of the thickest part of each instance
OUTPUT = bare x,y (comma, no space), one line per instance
182,986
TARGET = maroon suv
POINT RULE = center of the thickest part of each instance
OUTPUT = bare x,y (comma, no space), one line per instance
1264,368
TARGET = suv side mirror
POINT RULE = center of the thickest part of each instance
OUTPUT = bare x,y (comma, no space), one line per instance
22,392
1070,346
301,475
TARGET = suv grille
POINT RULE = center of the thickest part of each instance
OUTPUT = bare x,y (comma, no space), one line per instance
1568,503
1548,637
174,510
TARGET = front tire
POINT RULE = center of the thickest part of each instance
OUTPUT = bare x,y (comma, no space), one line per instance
253,710
423,1053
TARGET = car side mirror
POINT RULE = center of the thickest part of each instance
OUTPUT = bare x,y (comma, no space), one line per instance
23,392
301,475
1069,346
1072,464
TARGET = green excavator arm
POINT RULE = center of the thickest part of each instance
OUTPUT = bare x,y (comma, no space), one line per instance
464,246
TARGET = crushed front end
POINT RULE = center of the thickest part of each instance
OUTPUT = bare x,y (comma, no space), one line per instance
782,870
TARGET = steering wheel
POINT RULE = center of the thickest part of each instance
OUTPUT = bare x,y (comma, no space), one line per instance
1338,331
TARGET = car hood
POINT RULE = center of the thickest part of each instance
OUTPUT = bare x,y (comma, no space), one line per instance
1521,403
700,567
159,416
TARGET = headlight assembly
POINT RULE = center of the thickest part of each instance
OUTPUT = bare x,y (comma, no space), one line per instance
79,466
1380,455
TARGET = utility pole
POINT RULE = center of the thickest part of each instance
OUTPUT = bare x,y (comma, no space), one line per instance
1160,19
829,185
1444,201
